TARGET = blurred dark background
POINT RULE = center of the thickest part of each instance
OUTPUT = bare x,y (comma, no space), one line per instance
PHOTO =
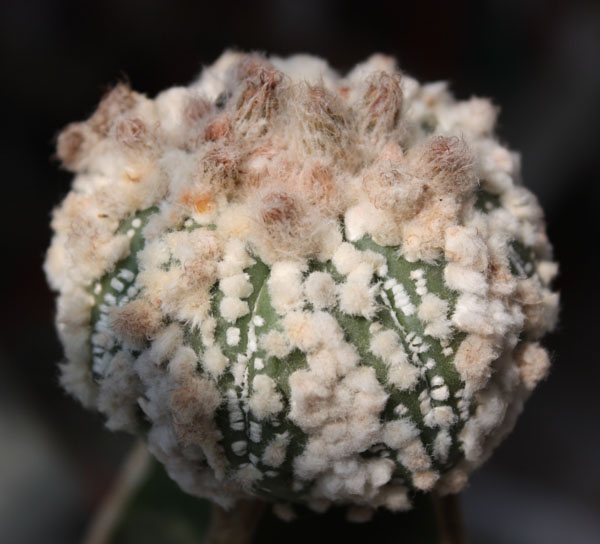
539,60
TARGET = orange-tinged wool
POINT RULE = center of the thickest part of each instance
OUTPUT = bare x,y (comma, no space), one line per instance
198,201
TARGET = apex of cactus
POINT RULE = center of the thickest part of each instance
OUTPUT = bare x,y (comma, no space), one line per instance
301,286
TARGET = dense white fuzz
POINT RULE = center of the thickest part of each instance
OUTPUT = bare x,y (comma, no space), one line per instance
473,361
295,251
265,400
166,342
232,308
440,416
135,322
275,343
236,286
248,476
232,336
235,258
214,362
386,345
472,314
424,480
399,433
433,311
462,278
285,286
440,393
320,290
357,295
118,397
358,220
308,331
413,456
404,376
184,361
346,258
533,362
547,271
441,445
341,415
275,451
207,331
464,246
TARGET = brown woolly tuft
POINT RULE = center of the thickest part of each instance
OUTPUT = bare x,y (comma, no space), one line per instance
116,102
381,104
70,144
446,164
132,132
392,188
258,100
135,322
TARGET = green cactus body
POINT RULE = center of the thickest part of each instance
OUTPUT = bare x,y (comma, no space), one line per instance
310,293
244,436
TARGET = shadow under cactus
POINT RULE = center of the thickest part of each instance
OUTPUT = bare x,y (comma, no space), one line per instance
147,506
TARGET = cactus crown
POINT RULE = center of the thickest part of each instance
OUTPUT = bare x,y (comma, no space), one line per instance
301,286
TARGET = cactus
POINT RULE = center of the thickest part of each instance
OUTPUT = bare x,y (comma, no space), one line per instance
302,287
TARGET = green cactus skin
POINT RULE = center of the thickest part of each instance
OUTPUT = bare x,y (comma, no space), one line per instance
275,484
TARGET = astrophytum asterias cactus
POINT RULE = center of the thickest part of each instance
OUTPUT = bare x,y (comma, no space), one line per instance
300,286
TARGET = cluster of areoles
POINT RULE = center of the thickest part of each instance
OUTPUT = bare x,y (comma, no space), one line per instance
301,286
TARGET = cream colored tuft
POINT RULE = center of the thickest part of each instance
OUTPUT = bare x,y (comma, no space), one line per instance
473,361
276,450
214,362
533,362
285,286
232,308
166,342
236,286
433,311
320,290
265,400
276,344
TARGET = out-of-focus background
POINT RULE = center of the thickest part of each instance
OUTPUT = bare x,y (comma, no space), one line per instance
539,60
